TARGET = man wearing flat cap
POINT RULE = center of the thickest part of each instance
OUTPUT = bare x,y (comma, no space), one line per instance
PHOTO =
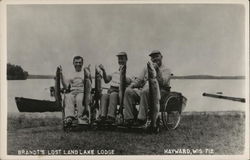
138,91
110,100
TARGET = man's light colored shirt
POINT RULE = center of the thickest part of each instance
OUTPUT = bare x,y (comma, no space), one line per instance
75,80
115,81
143,77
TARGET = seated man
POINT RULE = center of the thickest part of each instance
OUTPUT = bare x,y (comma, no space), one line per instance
75,82
133,95
110,100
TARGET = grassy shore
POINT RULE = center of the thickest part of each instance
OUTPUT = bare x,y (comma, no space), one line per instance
223,132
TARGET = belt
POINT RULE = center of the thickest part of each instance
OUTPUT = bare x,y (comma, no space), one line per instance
113,89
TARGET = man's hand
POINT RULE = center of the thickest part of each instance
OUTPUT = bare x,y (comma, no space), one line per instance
60,69
128,80
156,66
101,67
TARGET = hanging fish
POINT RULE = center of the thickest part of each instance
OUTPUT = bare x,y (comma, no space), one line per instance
122,87
154,93
98,87
87,91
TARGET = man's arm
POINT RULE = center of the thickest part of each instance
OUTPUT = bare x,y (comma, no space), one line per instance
163,77
139,81
107,78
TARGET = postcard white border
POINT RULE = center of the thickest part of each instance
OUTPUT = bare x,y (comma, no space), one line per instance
3,62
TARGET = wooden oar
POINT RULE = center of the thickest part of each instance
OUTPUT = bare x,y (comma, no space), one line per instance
225,97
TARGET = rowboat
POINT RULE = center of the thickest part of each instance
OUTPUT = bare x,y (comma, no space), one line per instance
35,105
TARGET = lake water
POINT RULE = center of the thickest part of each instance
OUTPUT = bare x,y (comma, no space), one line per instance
191,89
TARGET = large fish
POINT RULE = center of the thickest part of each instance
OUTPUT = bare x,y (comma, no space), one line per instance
122,87
97,91
154,93
87,91
58,96
98,87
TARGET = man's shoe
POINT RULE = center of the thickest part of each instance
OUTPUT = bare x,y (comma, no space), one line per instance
140,123
83,121
152,129
101,120
68,122
129,122
110,120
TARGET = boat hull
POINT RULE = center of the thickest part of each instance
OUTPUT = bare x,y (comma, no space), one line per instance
34,105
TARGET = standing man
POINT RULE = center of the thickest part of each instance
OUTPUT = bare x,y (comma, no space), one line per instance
74,81
133,95
110,100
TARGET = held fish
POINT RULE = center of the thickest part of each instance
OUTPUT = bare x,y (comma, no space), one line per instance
98,87
58,96
122,87
154,93
87,91
97,92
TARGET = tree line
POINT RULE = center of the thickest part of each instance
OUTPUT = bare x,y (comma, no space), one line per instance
15,72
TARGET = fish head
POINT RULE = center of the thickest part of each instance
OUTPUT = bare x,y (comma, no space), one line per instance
87,72
98,71
151,70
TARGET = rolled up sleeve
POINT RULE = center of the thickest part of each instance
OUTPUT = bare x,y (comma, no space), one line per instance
166,75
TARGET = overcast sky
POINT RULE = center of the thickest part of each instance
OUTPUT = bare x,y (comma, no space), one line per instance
194,39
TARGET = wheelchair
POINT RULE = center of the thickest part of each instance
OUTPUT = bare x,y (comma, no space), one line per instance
171,108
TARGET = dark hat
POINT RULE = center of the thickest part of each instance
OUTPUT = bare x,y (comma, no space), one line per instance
122,54
154,52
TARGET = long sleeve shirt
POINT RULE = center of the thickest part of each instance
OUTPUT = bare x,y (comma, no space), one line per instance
163,77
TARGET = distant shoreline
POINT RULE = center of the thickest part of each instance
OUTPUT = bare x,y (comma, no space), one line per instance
173,77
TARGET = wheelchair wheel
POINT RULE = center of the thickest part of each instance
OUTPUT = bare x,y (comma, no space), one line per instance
170,114
171,120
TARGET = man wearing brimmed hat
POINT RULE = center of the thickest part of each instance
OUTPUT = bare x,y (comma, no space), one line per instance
133,94
110,100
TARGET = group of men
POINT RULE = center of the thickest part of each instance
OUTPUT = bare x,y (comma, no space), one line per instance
137,91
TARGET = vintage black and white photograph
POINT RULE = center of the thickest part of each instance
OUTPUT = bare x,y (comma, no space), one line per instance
107,78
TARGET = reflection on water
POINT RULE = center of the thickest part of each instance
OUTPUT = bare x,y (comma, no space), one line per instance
192,89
